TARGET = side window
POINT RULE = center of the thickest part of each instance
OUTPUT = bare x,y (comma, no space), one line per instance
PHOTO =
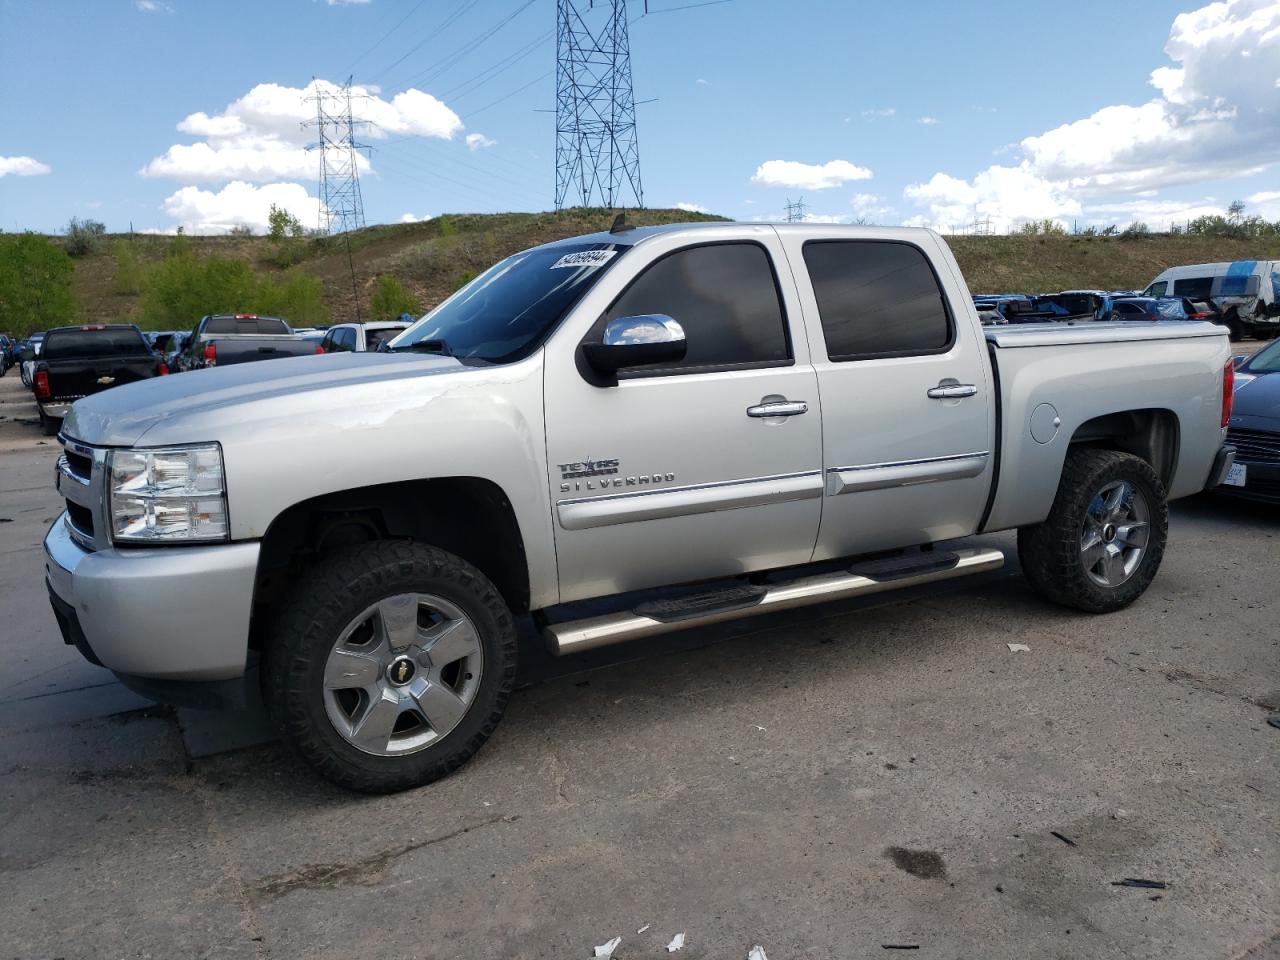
1156,289
344,339
1197,288
326,344
877,298
724,295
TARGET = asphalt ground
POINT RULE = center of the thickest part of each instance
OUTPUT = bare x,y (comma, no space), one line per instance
825,783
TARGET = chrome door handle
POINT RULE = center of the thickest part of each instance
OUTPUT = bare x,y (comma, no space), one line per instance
778,408
950,390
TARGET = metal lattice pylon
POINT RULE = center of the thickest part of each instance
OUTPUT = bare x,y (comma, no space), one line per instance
341,205
597,152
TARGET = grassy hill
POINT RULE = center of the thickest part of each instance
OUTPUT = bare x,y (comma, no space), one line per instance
433,258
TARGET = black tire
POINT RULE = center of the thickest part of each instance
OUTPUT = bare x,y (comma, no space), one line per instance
50,425
1235,329
309,624
1050,552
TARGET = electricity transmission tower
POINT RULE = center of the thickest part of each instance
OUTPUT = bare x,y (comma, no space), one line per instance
795,211
597,153
341,206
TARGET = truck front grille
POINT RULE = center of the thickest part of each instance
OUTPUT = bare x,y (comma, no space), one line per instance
80,466
80,478
1255,446
81,518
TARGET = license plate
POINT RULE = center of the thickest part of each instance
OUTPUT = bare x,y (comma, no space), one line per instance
1236,475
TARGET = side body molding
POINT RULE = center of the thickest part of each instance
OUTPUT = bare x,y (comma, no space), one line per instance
609,509
905,473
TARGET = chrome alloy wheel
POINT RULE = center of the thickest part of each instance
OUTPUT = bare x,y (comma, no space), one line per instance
1113,541
402,674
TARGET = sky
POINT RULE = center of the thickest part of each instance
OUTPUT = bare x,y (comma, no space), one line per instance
158,114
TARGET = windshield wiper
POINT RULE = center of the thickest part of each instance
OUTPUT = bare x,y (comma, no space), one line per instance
426,346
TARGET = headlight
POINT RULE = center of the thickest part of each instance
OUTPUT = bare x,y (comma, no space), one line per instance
168,495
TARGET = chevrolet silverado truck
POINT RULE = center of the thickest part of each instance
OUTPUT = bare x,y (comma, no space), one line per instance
77,362
223,339
681,424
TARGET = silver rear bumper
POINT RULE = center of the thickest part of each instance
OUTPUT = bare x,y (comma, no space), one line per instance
179,613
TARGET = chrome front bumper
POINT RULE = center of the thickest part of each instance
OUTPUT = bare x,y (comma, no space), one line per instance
179,613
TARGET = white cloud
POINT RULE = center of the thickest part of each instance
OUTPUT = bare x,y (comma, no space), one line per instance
1265,196
1216,116
1004,195
808,176
414,218
477,141
691,208
22,167
346,3
929,121
877,114
153,6
870,207
260,136
239,203
702,83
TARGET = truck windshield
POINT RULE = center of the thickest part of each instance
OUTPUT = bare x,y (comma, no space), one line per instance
61,344
506,312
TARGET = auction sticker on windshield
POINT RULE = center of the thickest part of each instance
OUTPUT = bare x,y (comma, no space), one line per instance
1236,475
584,258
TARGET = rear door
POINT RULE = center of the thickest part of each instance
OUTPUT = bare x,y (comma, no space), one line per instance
905,389
676,474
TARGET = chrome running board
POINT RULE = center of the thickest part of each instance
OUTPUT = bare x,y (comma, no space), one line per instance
575,635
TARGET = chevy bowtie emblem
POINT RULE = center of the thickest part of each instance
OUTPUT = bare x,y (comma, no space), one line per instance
106,380
403,670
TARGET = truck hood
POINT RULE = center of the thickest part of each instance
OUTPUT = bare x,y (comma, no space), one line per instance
121,416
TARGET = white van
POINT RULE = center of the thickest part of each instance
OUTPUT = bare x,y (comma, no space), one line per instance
1245,293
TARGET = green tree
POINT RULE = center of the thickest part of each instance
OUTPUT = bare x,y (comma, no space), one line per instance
182,288
83,236
281,223
35,284
391,298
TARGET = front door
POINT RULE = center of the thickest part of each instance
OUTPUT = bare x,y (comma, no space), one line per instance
905,394
686,473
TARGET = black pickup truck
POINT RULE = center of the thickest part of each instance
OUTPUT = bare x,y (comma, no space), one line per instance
78,361
222,339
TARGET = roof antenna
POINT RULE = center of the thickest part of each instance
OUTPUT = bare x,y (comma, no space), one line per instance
620,224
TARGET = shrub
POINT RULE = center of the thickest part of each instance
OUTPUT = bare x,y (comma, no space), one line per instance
83,236
127,277
35,284
182,288
391,298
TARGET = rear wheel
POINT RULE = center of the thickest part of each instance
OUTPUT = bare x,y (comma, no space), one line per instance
1103,540
390,665
50,425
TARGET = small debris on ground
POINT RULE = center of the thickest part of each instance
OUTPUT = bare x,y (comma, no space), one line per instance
1144,884
676,943
606,949
758,727
1067,840
900,946
1018,648
643,929
757,953
1274,720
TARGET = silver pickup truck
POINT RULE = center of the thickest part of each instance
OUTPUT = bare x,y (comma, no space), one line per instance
696,422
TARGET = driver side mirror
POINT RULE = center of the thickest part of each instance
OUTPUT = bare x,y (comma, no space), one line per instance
636,341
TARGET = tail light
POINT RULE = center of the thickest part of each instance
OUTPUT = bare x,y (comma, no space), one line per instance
211,354
41,385
163,369
319,349
1228,390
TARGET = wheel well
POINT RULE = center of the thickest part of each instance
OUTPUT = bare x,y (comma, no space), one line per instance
468,516
1149,434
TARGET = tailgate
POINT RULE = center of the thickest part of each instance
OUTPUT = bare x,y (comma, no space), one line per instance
233,349
73,378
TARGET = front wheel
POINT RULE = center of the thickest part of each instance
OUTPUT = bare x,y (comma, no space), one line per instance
390,665
1101,545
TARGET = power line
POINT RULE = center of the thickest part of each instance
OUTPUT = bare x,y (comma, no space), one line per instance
467,87
597,150
506,97
443,65
400,23
452,18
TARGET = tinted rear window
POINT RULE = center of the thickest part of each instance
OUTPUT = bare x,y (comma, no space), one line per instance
62,344
1198,288
876,298
267,325
373,339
